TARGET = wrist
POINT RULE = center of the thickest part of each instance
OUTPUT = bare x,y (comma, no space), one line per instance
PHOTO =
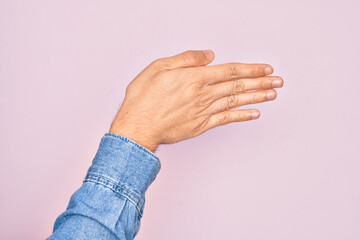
128,132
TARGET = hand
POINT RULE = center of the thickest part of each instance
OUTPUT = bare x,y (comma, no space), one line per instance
179,97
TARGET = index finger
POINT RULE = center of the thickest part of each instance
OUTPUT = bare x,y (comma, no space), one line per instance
232,71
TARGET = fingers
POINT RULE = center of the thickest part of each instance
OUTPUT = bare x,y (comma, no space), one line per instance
228,88
231,71
190,58
234,101
230,116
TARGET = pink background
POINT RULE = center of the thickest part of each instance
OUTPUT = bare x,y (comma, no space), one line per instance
292,174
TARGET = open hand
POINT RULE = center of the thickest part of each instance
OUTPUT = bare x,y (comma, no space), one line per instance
179,97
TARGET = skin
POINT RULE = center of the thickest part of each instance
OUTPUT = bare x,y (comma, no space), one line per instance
180,97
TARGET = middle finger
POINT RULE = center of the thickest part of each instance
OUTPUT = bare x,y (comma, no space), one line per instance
228,88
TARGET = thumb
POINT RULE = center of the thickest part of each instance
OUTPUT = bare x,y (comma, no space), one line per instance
190,58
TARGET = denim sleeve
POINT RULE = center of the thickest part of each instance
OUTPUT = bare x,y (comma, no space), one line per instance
110,202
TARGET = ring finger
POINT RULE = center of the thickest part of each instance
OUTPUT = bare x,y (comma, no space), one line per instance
237,100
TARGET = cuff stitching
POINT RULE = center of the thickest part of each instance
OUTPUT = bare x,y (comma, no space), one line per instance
109,134
118,188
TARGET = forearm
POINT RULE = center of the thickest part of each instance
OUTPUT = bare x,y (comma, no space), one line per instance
110,203
173,99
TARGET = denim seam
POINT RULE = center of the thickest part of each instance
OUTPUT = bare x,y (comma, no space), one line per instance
142,148
96,176
117,188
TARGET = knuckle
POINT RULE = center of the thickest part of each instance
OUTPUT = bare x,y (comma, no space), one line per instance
254,70
239,86
266,83
189,52
243,116
202,99
194,84
223,118
159,63
200,77
256,98
231,102
233,71
251,99
156,62
201,124
203,79
190,57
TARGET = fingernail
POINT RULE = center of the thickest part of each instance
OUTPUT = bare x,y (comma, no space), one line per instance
277,83
209,54
271,95
255,115
268,70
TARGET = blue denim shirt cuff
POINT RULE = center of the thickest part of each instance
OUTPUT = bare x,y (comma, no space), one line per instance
125,167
